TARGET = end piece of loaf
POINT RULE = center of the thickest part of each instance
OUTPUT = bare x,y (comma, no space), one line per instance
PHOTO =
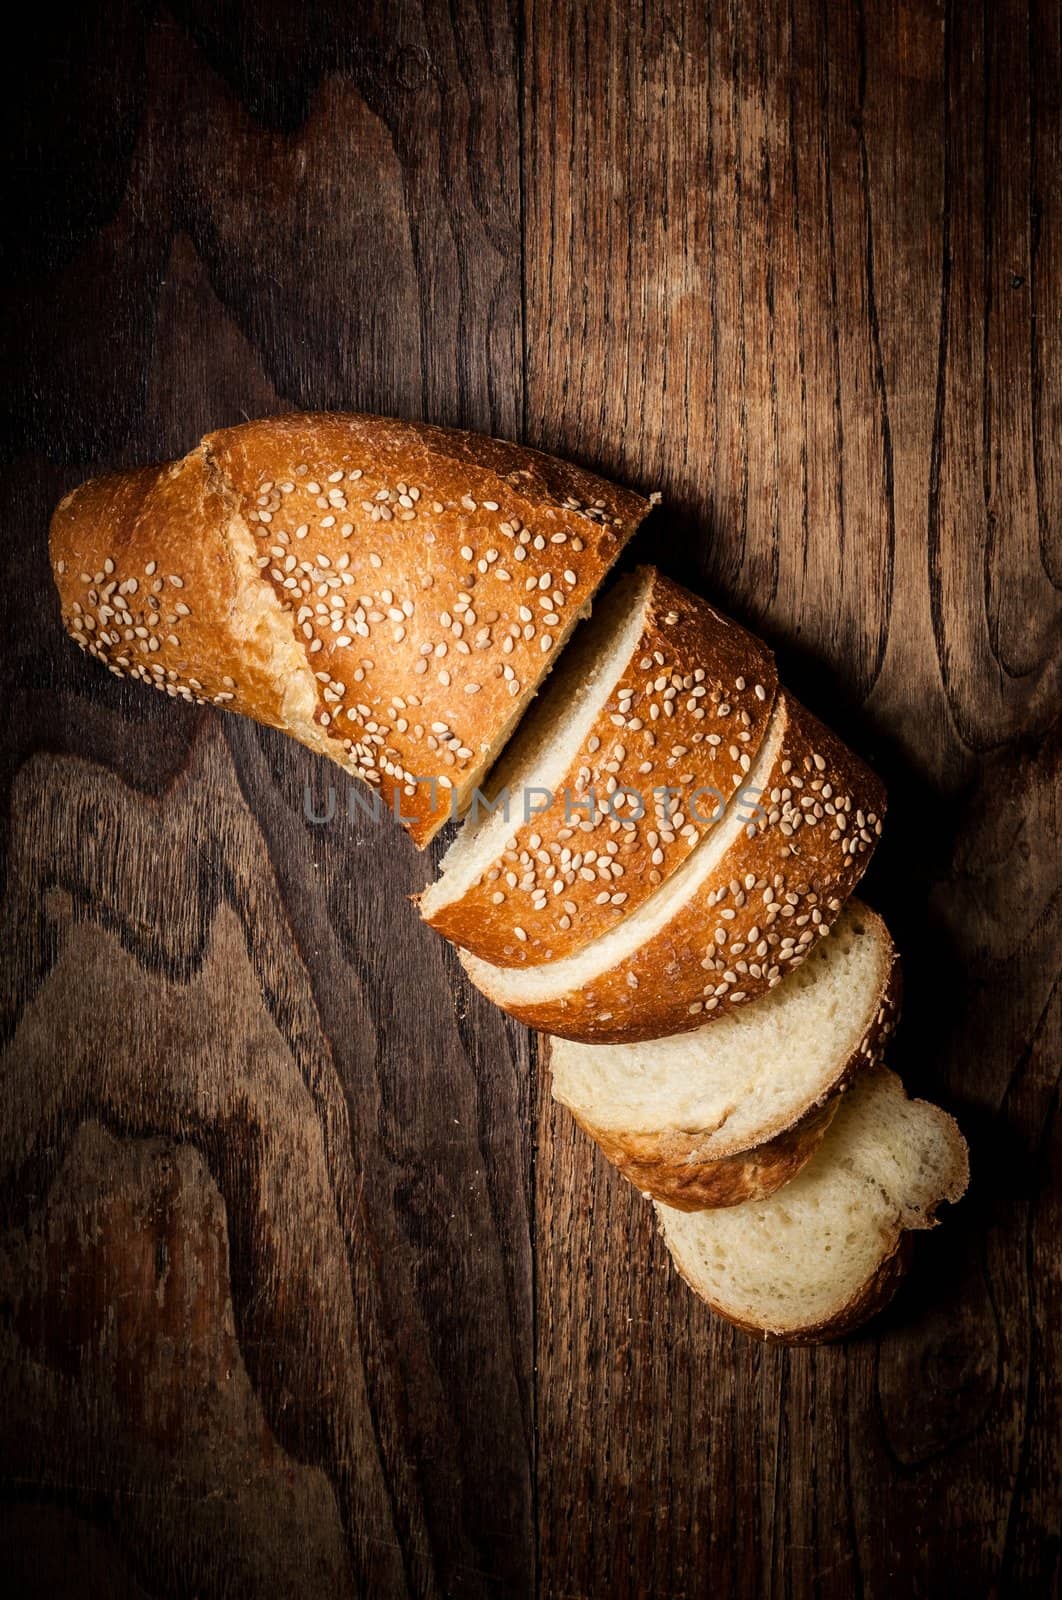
657,692
741,911
356,581
820,1256
731,1112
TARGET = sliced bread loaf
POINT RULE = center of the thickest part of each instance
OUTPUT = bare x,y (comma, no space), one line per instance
820,1256
651,721
357,581
732,1111
743,909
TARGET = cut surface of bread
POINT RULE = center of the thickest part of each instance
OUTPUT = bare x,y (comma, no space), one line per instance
650,723
822,1254
744,908
676,1114
357,581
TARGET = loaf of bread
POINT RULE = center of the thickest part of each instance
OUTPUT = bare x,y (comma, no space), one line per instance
732,1111
390,594
743,909
650,723
819,1257
393,596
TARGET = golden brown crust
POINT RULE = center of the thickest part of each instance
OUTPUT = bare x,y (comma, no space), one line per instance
359,580
660,1166
669,1165
779,887
690,711
143,575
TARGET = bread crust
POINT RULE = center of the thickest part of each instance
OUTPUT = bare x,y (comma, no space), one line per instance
668,1165
117,543
323,613
694,702
778,888
657,1163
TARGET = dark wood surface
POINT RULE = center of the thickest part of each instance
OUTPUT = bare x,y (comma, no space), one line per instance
305,1286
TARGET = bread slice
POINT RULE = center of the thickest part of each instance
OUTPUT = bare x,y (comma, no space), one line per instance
359,582
823,1254
743,909
733,1111
657,689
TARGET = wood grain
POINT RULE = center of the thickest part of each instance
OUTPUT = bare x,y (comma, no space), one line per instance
796,269
305,1285
300,1318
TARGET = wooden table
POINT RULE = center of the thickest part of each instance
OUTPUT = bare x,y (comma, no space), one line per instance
306,1287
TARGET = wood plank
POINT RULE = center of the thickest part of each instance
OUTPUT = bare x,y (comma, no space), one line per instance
279,1250
797,266
266,1167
